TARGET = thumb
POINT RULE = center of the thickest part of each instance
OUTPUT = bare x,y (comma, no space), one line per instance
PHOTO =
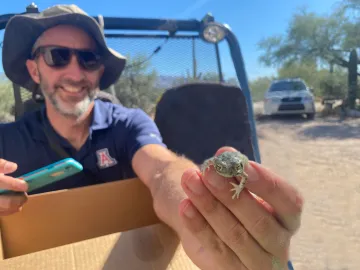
225,149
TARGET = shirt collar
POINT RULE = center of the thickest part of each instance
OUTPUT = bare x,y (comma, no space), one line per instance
102,115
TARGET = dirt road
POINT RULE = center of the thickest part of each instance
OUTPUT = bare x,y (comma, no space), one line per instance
321,158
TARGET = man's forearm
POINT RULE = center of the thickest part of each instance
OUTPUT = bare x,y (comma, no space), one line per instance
167,191
161,171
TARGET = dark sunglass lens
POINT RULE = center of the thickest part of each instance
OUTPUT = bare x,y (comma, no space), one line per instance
59,56
89,59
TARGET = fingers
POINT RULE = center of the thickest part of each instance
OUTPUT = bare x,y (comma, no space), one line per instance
219,256
283,197
7,182
216,218
7,166
254,216
10,204
10,183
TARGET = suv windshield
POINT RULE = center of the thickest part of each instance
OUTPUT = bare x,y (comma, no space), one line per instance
286,86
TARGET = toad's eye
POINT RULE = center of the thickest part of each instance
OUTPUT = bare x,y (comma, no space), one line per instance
218,167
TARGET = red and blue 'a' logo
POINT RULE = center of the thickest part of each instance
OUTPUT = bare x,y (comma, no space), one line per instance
104,160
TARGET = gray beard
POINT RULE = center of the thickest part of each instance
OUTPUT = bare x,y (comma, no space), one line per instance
77,111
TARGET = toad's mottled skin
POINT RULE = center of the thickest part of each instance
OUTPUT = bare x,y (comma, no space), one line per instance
230,164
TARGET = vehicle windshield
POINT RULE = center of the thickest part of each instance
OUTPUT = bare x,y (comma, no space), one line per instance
287,86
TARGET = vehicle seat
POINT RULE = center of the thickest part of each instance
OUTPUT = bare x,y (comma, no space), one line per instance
196,119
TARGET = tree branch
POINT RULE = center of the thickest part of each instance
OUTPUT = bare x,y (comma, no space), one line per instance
340,61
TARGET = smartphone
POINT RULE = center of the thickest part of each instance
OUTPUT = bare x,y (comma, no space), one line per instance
49,174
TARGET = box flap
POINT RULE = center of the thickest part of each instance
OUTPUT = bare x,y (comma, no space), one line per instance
2,255
62,217
153,247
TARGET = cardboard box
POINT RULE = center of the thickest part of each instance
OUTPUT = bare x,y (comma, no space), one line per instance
106,226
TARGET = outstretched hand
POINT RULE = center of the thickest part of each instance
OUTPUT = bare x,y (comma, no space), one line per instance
251,232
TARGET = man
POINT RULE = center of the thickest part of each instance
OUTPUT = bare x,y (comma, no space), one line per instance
63,51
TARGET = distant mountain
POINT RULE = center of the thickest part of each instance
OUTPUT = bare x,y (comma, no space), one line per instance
161,82
164,81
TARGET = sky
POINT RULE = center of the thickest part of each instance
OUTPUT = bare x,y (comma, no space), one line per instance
249,20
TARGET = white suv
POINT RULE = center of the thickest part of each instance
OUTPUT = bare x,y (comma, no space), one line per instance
289,96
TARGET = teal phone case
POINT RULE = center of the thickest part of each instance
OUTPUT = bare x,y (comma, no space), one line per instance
49,174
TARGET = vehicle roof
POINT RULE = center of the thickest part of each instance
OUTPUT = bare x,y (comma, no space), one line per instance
297,79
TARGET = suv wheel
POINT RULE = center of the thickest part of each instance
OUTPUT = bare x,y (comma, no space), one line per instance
310,116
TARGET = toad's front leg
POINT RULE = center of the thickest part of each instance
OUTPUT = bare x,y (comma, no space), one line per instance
206,164
239,187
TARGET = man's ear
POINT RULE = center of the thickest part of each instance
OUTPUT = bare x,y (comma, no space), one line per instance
33,70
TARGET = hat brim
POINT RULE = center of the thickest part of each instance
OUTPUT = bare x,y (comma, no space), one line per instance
22,31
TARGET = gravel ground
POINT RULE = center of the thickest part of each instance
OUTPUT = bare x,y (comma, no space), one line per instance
322,159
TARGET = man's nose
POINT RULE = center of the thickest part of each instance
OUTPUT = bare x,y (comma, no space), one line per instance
74,69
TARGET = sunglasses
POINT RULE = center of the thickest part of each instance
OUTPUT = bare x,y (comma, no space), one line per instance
59,57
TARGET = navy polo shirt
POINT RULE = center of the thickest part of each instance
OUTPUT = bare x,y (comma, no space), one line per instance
116,133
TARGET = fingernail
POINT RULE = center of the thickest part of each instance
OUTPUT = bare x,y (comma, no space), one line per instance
195,185
189,210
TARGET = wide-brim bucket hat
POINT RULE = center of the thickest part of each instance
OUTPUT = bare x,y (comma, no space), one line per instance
22,31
